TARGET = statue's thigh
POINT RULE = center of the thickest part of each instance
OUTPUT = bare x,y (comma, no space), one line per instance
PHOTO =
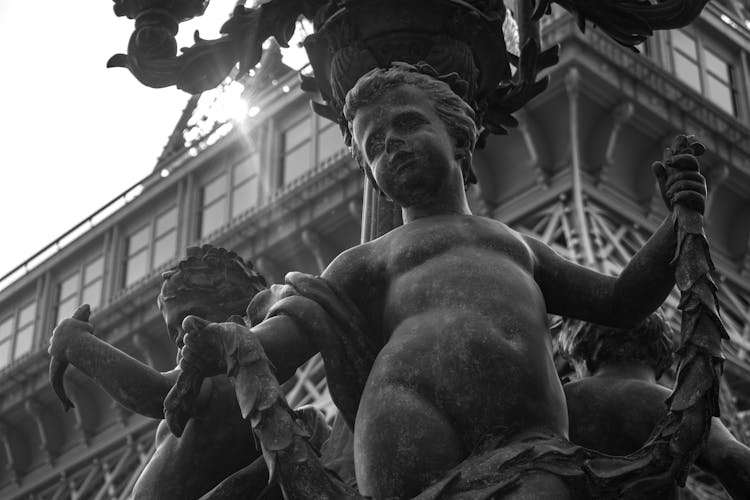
402,442
539,486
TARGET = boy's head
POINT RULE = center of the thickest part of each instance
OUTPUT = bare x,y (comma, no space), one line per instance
457,116
589,346
210,282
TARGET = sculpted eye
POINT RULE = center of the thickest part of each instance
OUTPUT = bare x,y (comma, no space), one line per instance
409,121
374,147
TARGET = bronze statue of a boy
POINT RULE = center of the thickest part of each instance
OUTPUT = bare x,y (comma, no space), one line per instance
215,284
616,402
435,335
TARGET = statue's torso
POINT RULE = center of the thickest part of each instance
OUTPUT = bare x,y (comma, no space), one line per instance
464,323
216,443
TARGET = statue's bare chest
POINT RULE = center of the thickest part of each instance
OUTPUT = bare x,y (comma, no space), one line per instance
454,241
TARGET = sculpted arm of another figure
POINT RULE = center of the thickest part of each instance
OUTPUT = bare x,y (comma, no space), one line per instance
727,459
131,383
284,341
574,291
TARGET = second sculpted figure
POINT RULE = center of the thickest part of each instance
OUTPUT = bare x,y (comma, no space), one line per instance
215,284
435,335
616,402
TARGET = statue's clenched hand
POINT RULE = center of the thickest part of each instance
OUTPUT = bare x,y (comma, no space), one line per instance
206,345
68,331
204,354
679,177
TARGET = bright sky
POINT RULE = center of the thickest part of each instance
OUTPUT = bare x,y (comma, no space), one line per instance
74,134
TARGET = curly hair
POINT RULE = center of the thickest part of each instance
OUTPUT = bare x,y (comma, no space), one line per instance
216,275
443,91
593,345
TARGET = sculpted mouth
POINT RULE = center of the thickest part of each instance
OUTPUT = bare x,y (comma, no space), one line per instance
402,159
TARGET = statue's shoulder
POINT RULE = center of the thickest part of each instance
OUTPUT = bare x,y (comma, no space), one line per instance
357,260
619,394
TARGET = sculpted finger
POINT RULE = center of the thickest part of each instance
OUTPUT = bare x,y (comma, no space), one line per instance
194,323
679,186
658,169
686,175
690,200
70,323
192,344
684,162
190,357
82,312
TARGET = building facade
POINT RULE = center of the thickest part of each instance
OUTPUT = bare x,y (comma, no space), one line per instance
277,186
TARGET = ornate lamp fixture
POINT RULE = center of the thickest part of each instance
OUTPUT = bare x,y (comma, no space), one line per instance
352,36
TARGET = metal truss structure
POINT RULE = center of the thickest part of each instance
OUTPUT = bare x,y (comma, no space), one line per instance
614,239
110,477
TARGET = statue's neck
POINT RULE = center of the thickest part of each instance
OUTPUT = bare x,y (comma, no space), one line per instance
451,201
411,214
630,371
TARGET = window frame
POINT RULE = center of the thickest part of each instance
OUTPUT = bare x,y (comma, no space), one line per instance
16,328
10,339
253,156
228,164
100,278
81,284
318,125
78,272
150,248
128,255
707,42
214,176
19,327
323,125
293,120
156,237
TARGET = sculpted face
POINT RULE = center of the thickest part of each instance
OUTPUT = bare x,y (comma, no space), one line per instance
174,311
407,146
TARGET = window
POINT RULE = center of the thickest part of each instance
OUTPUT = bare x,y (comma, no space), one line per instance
151,246
67,297
685,56
295,147
165,238
17,334
330,140
719,87
213,212
136,264
704,70
93,277
244,185
82,287
25,330
6,340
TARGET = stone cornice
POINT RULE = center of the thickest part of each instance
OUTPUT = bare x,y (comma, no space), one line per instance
649,86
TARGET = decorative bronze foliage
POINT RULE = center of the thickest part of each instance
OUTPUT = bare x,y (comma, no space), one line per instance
628,22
